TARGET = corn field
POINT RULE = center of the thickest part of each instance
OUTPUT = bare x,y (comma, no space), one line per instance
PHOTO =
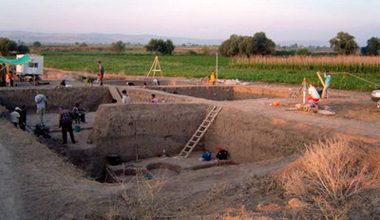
351,64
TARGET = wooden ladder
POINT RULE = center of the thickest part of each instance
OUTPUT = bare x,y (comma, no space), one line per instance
199,133
115,93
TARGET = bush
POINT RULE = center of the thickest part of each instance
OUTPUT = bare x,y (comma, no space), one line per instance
331,173
160,46
118,47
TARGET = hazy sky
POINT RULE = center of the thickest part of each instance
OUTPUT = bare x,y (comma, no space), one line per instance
282,20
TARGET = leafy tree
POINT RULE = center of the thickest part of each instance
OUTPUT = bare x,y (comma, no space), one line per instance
259,44
303,52
36,44
224,47
234,45
22,49
7,46
169,47
344,44
83,44
363,50
245,46
152,45
373,46
160,46
262,45
118,46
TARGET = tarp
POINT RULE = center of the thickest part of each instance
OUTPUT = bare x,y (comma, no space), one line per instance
22,60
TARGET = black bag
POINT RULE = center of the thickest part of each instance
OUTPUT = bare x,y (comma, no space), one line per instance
222,155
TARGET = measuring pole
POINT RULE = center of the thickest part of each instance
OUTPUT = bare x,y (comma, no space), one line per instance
304,90
216,67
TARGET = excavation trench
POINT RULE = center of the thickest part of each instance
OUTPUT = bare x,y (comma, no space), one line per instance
250,130
224,93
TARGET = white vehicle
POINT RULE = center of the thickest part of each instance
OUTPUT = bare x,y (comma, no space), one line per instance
375,95
33,68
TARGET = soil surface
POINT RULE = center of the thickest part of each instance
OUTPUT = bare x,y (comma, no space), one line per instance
38,183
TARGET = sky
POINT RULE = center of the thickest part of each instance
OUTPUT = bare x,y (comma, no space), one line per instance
281,20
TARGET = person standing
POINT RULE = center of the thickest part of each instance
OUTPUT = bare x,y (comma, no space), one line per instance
155,82
212,78
3,73
328,77
79,114
15,116
125,99
23,113
10,78
101,72
41,102
66,123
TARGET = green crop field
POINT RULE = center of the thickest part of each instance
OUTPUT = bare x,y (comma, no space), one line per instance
197,66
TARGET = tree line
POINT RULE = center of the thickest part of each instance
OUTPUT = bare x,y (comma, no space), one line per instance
259,44
8,46
155,45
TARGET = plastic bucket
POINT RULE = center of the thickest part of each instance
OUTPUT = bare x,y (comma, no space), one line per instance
77,128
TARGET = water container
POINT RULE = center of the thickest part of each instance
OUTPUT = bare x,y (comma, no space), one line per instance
77,128
206,155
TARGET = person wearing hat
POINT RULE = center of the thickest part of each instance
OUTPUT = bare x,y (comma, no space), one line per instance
15,116
41,102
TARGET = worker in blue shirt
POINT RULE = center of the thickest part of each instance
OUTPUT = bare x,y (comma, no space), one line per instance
328,77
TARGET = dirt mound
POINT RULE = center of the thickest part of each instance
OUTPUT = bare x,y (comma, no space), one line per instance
46,187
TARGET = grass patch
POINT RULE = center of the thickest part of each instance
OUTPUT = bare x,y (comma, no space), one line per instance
330,174
195,66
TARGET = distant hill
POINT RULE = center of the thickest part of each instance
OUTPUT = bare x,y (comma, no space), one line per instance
97,38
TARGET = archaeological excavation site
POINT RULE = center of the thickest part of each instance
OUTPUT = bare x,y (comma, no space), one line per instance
146,159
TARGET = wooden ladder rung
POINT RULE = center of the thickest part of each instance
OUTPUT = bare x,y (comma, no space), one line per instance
206,123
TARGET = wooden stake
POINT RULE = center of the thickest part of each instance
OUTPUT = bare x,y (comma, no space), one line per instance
321,79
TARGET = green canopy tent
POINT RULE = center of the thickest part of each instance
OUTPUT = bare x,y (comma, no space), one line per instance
22,60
